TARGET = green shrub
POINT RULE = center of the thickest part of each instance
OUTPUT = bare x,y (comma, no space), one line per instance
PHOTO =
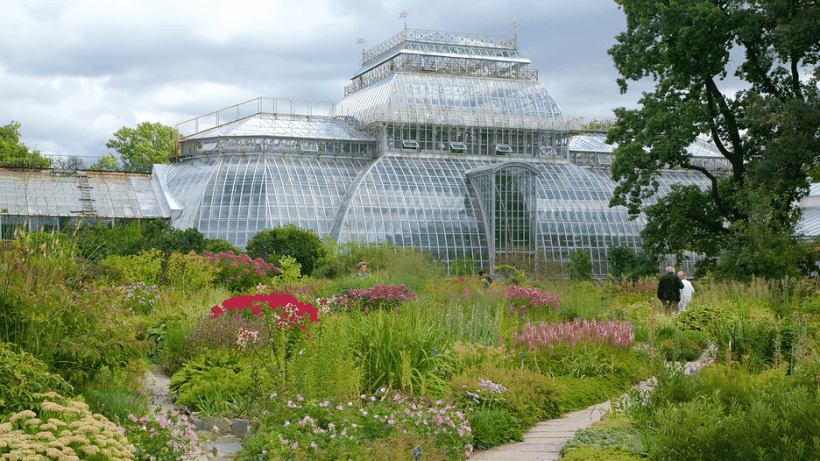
705,318
188,272
510,274
142,268
579,266
681,349
578,393
771,427
493,427
23,376
302,244
614,432
600,454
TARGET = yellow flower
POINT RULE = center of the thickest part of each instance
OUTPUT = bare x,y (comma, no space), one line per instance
22,414
5,427
44,435
90,450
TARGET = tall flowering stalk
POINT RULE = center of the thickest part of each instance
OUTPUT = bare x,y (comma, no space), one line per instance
379,297
577,331
284,313
523,300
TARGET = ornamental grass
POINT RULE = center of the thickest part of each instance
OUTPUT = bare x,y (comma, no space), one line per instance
575,332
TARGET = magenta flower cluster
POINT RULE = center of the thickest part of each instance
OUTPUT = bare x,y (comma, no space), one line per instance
577,331
525,299
239,272
379,297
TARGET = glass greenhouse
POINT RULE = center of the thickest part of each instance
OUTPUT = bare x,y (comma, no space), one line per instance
445,142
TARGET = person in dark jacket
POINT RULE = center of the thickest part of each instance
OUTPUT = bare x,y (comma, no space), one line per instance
669,288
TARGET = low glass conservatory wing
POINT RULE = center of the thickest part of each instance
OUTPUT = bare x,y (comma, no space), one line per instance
235,196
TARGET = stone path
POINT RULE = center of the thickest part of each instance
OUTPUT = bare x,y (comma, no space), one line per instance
227,444
543,442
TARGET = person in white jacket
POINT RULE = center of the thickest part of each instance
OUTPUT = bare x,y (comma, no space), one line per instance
686,292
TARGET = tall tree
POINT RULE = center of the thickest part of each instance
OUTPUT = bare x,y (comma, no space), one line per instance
143,146
13,152
768,130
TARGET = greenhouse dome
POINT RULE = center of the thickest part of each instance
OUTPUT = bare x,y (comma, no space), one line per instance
444,142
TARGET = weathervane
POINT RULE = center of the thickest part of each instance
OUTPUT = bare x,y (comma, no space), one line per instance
361,42
403,15
514,25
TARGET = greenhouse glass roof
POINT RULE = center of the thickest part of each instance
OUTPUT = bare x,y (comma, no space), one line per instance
454,100
285,125
55,193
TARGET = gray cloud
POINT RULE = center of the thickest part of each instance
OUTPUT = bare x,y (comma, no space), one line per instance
73,72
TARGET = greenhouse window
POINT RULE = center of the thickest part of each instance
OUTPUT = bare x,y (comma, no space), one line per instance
310,146
503,149
410,145
458,147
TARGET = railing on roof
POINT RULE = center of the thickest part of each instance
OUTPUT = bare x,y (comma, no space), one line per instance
449,38
584,123
263,105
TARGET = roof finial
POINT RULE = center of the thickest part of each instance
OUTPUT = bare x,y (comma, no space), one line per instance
514,25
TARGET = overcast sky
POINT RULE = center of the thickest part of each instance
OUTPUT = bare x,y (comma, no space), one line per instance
73,72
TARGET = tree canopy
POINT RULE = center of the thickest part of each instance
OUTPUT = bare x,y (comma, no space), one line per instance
143,146
107,163
743,74
13,152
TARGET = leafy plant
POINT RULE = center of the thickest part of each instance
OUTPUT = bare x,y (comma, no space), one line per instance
24,377
212,378
399,352
494,427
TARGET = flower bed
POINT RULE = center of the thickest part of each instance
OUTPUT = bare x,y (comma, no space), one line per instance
577,331
379,297
331,429
523,300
